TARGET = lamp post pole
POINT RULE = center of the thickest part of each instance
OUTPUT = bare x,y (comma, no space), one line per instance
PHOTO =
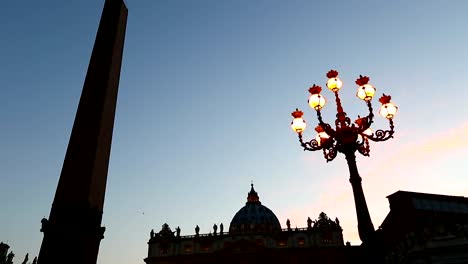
365,226
347,137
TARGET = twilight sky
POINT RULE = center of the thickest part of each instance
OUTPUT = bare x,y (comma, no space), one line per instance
205,97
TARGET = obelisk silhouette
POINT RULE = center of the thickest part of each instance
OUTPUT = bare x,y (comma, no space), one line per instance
73,232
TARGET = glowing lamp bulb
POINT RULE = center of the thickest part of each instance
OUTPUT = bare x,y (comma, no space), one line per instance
298,125
366,92
334,84
321,137
388,110
368,132
316,101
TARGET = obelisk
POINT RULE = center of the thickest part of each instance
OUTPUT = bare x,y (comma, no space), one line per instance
73,232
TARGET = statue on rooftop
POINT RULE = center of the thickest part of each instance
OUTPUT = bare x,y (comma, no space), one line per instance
44,224
178,231
197,230
221,227
25,259
288,224
166,231
215,229
10,258
309,223
3,252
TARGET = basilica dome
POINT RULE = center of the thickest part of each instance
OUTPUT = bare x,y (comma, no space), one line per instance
254,217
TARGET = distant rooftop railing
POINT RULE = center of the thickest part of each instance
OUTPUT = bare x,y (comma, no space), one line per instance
300,229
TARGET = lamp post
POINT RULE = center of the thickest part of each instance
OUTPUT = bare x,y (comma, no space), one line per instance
347,137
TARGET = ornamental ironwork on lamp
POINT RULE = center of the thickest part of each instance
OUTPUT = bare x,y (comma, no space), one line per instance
345,136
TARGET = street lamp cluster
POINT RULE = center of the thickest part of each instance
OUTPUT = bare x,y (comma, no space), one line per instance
347,137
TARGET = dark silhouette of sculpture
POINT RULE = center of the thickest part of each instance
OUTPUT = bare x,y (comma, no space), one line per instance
25,259
288,224
166,231
165,235
10,258
3,252
152,233
178,231
309,223
324,222
215,229
221,227
197,230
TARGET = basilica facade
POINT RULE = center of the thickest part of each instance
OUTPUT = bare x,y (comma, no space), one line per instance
254,236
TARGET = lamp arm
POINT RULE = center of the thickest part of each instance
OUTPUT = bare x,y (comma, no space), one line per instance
382,135
364,147
330,153
312,145
369,119
326,127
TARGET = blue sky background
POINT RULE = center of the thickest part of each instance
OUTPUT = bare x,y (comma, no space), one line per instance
206,92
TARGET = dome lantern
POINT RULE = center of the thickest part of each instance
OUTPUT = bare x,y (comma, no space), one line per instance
252,197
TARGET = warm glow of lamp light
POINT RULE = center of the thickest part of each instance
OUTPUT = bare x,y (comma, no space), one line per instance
321,136
388,110
366,92
368,132
317,101
359,138
298,125
334,84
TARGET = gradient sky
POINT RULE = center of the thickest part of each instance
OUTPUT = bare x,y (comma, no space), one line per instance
205,97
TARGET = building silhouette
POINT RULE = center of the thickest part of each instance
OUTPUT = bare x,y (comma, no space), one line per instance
424,228
255,236
421,228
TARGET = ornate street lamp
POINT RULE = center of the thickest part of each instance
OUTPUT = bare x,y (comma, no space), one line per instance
347,137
